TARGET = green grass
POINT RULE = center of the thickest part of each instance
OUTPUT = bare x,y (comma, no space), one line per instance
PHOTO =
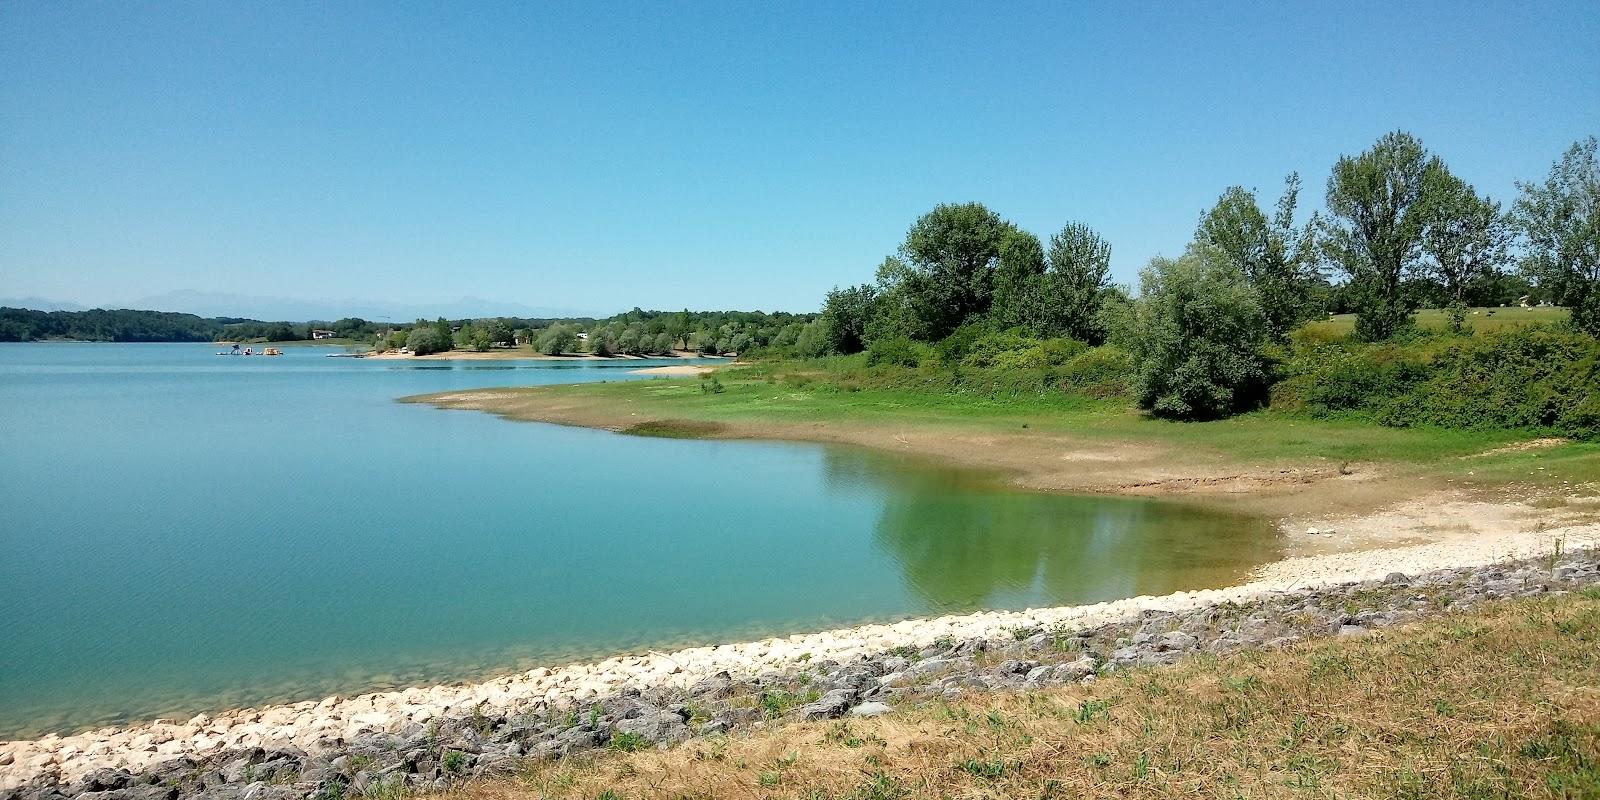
1261,435
1478,319
677,408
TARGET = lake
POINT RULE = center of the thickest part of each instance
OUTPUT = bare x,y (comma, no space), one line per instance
184,532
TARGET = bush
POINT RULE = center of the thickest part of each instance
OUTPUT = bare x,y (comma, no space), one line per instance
1347,376
1515,378
1099,372
1195,336
1523,377
558,339
896,352
424,339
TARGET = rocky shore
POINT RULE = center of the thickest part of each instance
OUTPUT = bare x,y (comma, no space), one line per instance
430,738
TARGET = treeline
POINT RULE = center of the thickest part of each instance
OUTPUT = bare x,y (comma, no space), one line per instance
637,332
99,325
971,298
126,325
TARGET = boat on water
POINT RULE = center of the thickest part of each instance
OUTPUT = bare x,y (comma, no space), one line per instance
248,351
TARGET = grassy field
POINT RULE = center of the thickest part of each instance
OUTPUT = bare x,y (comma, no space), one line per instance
1478,319
1497,703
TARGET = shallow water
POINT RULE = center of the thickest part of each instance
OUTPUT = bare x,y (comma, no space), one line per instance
182,532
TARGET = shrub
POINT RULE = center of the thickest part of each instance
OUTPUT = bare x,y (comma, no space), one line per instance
1105,371
897,352
424,339
1195,336
1347,376
1523,377
558,339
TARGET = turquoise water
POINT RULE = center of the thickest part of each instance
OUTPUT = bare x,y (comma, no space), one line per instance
181,532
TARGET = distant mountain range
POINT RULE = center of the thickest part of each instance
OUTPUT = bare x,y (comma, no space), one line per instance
39,304
222,304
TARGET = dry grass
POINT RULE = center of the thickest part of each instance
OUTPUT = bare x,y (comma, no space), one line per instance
1502,702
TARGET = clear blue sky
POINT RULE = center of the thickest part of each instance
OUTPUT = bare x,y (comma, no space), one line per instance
746,155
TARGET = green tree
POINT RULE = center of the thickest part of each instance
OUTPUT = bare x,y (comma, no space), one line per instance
601,342
1016,280
949,257
788,335
1079,269
662,344
1561,222
280,332
1054,292
1271,252
628,342
1465,240
557,339
1195,335
845,313
425,339
705,342
1378,206
813,340
892,313
498,331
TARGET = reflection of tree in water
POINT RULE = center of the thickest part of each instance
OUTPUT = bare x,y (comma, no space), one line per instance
963,542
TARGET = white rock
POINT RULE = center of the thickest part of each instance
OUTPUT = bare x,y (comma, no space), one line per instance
870,709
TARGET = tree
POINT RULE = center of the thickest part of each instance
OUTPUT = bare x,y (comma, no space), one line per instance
949,257
788,335
557,339
1079,262
844,314
813,340
892,313
1195,335
704,342
498,331
1465,240
1055,292
1016,280
280,332
602,342
1379,213
1561,221
662,344
425,338
628,342
1270,252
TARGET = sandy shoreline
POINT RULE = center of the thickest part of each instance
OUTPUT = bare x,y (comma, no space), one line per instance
678,370
316,726
1366,504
